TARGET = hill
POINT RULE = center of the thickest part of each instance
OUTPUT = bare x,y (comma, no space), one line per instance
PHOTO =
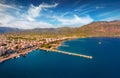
101,29
94,29
8,29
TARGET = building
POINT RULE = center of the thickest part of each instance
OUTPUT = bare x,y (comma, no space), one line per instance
2,50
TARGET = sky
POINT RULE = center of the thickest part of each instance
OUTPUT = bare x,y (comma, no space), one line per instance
29,14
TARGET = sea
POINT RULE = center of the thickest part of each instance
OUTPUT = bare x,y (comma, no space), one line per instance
42,64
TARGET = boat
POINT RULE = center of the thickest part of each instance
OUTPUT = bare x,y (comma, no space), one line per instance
24,55
17,56
99,42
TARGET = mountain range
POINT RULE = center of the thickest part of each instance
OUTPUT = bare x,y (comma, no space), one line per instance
8,29
103,28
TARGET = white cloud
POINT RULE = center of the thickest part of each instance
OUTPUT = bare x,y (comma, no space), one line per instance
4,6
8,19
84,7
28,19
4,19
34,11
5,15
99,7
112,18
65,14
76,20
29,25
109,13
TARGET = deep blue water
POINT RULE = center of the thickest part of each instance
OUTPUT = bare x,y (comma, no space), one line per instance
40,64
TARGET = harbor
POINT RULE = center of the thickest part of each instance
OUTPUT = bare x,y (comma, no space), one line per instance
47,50
48,46
16,55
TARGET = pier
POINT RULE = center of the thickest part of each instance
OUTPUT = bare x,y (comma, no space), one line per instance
68,53
47,50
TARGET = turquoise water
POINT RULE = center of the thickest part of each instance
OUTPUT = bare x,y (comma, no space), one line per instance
41,64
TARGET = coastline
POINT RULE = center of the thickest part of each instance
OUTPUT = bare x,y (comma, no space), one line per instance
15,55
55,49
64,52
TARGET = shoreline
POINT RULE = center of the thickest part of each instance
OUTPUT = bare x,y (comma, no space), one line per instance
64,52
15,55
25,52
60,42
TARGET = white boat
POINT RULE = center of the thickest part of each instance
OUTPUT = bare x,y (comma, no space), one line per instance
99,42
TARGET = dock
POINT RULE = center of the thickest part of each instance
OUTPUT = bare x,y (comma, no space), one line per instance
47,50
69,53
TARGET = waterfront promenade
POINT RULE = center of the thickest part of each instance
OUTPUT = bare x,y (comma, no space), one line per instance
2,59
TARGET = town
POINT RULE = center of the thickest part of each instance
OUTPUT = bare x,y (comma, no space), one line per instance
12,46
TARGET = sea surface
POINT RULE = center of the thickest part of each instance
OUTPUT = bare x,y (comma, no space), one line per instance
42,64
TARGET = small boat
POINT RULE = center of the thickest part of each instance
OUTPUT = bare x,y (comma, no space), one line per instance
17,56
99,42
24,55
13,58
47,50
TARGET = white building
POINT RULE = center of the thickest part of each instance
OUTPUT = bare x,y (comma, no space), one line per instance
2,50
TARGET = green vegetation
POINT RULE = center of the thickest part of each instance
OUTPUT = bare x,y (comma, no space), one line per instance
46,46
96,29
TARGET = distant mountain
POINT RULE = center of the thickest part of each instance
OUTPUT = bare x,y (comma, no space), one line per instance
8,29
54,30
94,29
101,29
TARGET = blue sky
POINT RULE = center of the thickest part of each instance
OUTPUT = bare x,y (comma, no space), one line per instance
29,14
